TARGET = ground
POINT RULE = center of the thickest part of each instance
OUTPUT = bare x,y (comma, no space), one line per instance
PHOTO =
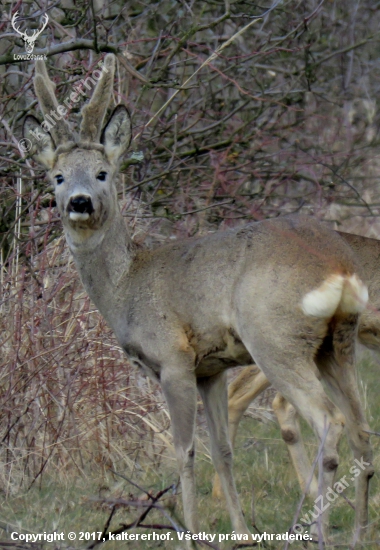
264,475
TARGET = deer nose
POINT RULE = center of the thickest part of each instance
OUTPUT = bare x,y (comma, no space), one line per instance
81,204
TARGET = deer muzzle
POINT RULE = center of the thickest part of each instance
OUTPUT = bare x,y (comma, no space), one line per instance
80,208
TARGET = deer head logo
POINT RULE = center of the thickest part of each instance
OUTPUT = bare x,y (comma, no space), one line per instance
29,40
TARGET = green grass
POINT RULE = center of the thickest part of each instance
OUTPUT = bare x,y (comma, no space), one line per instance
263,473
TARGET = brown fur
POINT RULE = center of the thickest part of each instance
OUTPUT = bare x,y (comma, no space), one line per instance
251,381
187,311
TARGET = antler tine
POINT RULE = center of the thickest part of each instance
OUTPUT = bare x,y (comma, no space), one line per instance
94,112
44,88
45,22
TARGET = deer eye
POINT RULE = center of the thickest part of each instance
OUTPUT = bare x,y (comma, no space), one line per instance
59,179
102,176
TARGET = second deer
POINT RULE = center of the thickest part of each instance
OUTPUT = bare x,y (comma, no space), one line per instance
251,381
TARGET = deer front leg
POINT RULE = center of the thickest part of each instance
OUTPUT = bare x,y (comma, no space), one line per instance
180,391
213,391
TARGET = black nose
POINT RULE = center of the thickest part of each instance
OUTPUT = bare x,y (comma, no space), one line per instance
81,204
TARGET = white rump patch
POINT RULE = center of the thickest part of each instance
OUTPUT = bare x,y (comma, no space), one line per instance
324,301
348,294
355,295
79,217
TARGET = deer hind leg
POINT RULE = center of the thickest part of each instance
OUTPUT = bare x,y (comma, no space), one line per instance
307,394
241,392
288,420
337,368
292,371
180,391
213,391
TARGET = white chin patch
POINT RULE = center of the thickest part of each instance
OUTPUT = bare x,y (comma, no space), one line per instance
78,217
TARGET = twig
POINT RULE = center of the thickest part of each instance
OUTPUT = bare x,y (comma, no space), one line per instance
131,482
314,465
204,64
135,523
372,433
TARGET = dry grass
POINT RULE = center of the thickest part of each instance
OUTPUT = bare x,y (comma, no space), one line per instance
70,499
68,397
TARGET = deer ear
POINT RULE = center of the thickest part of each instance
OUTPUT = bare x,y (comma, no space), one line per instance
117,133
39,143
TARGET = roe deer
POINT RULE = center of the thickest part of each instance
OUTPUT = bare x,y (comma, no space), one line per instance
283,293
251,382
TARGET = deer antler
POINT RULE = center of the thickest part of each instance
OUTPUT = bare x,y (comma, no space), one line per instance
44,88
22,34
37,33
93,113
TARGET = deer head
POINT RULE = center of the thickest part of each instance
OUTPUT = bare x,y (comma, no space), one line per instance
29,40
82,168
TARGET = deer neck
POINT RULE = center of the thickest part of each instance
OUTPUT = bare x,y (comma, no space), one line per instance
104,261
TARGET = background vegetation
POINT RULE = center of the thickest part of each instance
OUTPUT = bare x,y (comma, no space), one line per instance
283,119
